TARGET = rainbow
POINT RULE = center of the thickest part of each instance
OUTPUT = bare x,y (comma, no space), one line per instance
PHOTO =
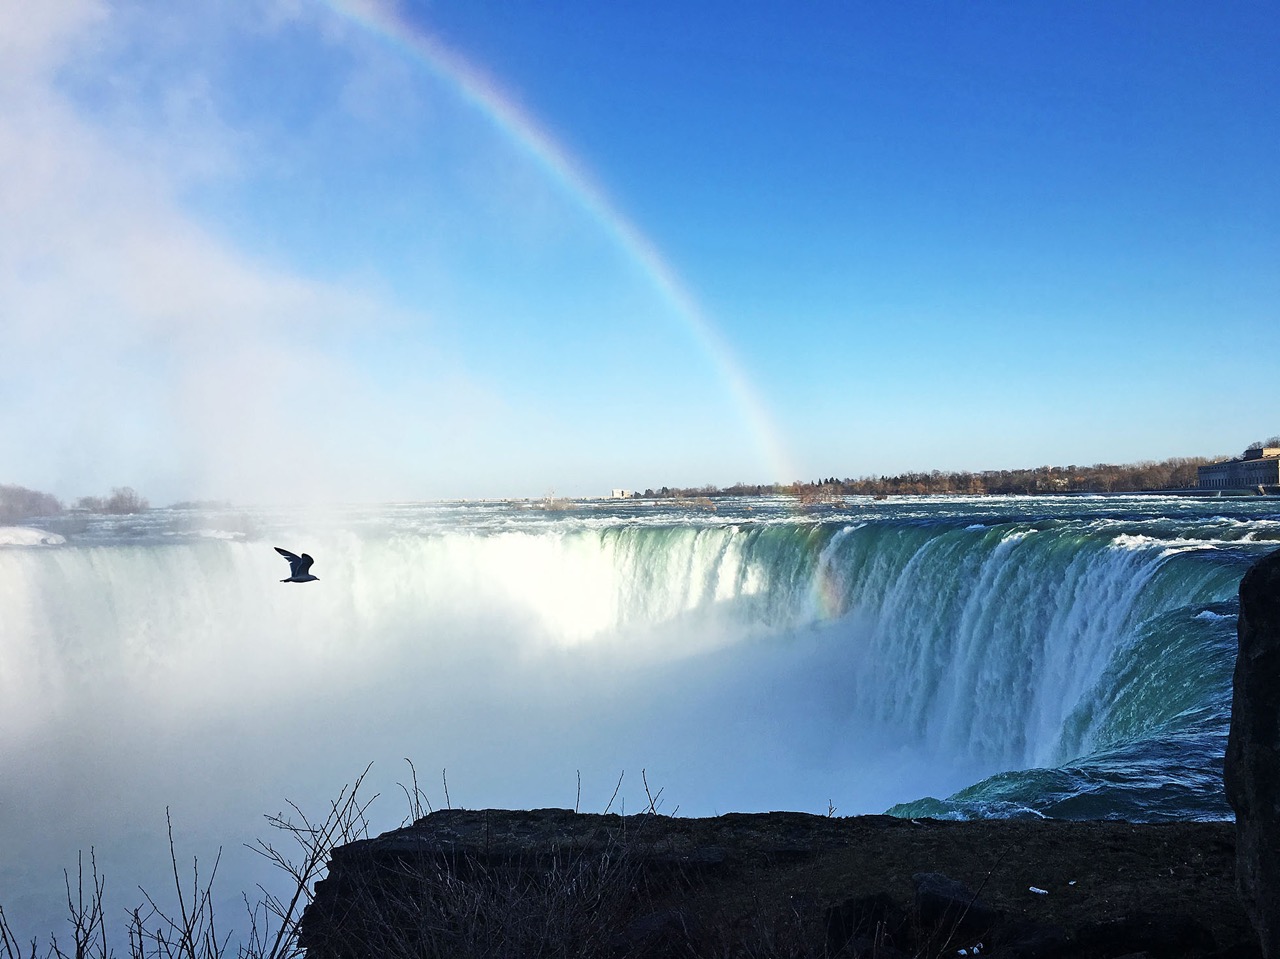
478,90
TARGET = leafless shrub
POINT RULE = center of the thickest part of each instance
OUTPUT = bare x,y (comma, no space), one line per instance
576,902
85,913
808,494
122,501
274,922
416,802
189,930
18,503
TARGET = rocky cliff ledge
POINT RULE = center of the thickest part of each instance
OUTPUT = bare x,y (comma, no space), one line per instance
1253,750
554,883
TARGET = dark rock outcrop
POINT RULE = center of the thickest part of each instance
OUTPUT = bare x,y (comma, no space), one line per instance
1253,750
552,883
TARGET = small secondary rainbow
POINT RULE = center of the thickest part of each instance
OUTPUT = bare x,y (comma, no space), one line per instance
480,91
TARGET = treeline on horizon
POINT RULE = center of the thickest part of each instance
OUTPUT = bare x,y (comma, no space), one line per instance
1176,473
1172,474
18,502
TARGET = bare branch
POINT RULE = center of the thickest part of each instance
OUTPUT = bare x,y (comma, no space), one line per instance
615,792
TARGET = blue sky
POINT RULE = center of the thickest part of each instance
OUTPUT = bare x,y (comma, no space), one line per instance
366,250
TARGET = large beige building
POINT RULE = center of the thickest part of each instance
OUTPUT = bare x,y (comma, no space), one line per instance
1260,466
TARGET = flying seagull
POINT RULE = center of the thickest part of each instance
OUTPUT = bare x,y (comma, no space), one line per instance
299,567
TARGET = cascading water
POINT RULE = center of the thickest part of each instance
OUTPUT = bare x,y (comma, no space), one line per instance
1067,657
986,640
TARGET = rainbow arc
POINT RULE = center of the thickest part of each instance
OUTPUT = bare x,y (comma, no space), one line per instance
480,92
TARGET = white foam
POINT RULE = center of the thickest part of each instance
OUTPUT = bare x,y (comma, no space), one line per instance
1016,535
1133,541
1211,616
1168,547
28,536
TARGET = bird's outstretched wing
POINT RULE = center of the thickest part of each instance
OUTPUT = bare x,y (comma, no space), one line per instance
297,564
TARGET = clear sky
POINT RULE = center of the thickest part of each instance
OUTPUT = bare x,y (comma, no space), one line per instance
371,250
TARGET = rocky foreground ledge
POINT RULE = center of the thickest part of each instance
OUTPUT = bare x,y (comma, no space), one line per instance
551,882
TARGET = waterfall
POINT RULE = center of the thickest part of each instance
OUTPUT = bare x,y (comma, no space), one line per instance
987,641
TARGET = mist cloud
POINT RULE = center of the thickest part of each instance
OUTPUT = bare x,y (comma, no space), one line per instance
142,349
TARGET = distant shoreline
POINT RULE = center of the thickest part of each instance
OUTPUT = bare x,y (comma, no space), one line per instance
836,499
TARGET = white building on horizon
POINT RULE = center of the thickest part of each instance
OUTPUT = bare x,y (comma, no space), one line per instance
1259,467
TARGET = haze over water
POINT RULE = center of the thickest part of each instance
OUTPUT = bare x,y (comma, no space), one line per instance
750,657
